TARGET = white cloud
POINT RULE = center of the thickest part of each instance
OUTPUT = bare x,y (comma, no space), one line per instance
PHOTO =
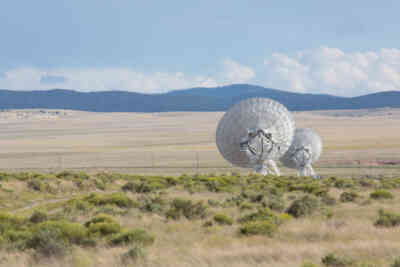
321,70
92,79
237,73
330,70
100,79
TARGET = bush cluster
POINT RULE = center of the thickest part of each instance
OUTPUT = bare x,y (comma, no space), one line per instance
258,228
387,219
304,206
136,237
348,196
381,194
223,219
118,199
187,208
396,262
133,254
332,260
51,237
38,217
262,222
151,203
103,225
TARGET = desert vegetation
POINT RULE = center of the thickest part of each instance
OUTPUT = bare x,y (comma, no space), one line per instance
110,219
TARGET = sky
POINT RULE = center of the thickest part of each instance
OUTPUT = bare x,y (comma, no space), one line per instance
345,48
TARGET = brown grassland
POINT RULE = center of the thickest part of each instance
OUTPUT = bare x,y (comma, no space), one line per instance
119,189
172,143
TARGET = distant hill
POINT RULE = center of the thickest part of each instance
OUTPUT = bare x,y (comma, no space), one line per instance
195,99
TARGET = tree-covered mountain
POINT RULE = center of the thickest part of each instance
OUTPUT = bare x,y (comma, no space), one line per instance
195,99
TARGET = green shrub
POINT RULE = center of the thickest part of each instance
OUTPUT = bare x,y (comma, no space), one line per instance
335,261
73,233
208,224
80,258
152,203
312,187
37,185
17,238
213,203
111,210
68,175
381,194
77,205
235,201
328,213
348,196
261,215
106,177
104,228
9,220
396,262
307,205
387,219
246,206
148,186
101,218
48,241
38,217
367,182
118,199
275,203
235,174
328,200
223,219
133,254
129,186
343,183
5,177
182,204
258,228
214,183
103,225
388,183
137,236
13,230
174,214
186,208
100,184
254,197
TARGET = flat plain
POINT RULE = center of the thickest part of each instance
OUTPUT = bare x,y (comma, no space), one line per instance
355,142
80,189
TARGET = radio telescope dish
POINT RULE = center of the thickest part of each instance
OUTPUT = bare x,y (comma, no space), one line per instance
255,132
305,149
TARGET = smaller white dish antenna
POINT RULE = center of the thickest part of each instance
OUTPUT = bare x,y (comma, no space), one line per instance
306,148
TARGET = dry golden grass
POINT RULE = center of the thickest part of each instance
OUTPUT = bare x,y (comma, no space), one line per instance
185,243
184,142
349,232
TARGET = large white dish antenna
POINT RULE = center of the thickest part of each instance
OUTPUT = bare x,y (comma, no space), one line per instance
263,125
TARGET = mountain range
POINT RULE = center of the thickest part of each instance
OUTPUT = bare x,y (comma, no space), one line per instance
195,99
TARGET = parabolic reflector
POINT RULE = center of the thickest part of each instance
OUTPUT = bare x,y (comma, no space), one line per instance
303,138
251,115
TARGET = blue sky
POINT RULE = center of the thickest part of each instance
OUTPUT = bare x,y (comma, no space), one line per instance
336,47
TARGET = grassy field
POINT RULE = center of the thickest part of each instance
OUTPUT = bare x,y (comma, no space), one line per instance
172,143
110,219
87,189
